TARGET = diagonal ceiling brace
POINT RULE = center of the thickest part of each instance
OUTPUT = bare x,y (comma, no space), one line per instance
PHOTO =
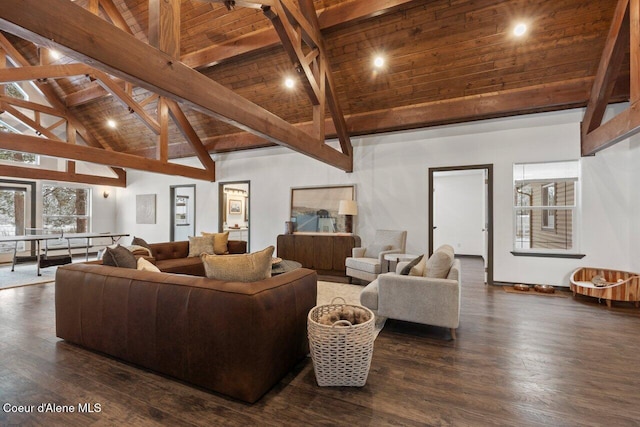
87,38
624,31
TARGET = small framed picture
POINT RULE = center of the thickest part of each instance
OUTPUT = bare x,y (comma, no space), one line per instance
235,207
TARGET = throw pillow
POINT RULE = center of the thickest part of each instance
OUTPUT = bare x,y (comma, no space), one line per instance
119,257
137,241
440,262
407,268
220,241
373,251
419,268
200,245
139,250
239,268
145,265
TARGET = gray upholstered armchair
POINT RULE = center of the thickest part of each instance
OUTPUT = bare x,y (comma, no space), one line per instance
420,297
367,262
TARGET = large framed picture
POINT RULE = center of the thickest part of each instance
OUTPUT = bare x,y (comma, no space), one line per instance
315,209
235,207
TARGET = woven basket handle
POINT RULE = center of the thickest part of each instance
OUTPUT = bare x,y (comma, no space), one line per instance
344,301
341,323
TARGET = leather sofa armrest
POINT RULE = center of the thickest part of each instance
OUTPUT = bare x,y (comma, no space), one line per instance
237,246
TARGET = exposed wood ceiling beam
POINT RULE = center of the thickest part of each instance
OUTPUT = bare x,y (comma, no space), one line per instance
595,135
42,72
51,175
87,38
109,84
548,97
33,124
191,136
31,105
49,147
343,13
114,14
295,27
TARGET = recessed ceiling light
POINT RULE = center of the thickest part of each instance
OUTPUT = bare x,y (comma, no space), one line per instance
520,29
111,123
54,54
289,83
378,61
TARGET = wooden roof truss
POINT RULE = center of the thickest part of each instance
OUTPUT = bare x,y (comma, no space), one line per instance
624,35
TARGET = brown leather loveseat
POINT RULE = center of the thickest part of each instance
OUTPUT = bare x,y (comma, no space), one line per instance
173,257
238,339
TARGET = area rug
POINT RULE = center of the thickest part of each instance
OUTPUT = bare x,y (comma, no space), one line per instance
329,291
25,275
558,293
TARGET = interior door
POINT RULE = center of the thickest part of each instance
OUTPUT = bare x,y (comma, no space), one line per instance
183,212
460,201
233,210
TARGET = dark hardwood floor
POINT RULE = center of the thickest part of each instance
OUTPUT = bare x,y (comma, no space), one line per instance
519,360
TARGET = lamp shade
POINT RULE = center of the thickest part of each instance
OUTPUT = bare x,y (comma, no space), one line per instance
348,207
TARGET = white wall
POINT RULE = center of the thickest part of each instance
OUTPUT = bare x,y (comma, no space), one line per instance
458,211
391,173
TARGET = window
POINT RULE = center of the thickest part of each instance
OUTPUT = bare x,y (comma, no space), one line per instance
66,209
545,207
549,199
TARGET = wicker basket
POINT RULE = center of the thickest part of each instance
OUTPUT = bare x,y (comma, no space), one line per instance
341,353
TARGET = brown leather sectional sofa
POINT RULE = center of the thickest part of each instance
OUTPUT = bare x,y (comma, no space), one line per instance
172,257
238,339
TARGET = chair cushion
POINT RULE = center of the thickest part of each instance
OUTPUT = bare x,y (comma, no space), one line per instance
239,268
419,268
373,251
370,265
440,262
407,268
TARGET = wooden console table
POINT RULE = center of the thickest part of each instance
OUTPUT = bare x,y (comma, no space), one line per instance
322,252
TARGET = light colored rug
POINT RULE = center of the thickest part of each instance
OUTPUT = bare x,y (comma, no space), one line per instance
327,291
24,275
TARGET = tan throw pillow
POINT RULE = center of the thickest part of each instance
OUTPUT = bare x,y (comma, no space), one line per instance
220,241
419,268
440,262
145,265
200,245
239,268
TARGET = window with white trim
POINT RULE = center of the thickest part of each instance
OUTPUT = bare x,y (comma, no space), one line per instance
66,209
545,207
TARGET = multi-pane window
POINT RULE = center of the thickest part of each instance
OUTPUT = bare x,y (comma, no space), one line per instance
66,209
545,206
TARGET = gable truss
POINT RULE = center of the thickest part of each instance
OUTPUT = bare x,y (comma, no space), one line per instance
624,33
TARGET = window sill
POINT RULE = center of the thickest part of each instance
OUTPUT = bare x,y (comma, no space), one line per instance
547,255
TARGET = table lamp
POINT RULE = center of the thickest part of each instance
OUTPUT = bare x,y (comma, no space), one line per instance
349,208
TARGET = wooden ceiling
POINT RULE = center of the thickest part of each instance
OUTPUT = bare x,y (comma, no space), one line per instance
447,61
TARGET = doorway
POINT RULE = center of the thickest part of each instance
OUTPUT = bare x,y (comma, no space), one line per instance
461,211
233,210
183,212
17,214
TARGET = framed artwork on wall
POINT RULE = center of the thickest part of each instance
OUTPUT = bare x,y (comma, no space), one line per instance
235,207
316,209
145,209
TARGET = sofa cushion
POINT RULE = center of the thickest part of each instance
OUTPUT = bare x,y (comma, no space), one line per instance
199,245
373,251
407,268
137,241
239,268
440,262
145,265
220,241
191,266
419,268
369,265
119,257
